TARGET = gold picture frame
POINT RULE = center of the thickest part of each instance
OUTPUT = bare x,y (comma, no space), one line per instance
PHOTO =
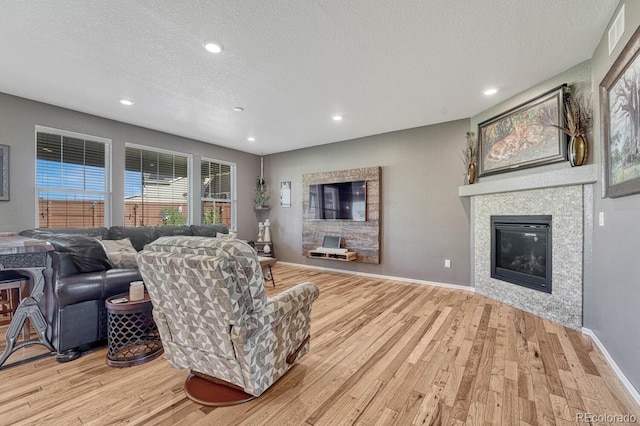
525,136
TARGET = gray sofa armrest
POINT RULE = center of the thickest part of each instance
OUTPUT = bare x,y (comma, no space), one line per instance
290,301
277,309
80,288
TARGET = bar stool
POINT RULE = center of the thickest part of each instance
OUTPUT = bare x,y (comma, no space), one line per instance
14,286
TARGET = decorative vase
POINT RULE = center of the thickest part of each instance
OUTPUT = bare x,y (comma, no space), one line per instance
260,231
267,232
266,249
471,173
578,150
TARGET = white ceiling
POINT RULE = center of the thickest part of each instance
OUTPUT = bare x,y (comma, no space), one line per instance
384,65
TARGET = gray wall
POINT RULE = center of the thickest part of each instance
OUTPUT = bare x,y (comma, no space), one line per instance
424,221
612,302
18,118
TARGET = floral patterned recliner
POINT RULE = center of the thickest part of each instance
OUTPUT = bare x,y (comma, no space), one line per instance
214,318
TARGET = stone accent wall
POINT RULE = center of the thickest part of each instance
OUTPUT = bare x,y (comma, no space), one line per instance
361,237
566,205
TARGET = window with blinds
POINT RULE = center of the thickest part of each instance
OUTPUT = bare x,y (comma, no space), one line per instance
218,195
72,179
156,187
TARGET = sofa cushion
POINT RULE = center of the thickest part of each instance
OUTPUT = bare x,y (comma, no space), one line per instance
139,235
121,253
86,252
208,230
97,232
39,234
164,231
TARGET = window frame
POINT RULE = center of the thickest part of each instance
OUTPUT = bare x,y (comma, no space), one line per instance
234,192
189,157
107,167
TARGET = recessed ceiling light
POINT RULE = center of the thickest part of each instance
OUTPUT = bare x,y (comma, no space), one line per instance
126,102
337,118
238,109
489,92
213,46
251,139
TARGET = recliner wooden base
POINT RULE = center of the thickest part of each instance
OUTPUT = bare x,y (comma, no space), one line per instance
213,392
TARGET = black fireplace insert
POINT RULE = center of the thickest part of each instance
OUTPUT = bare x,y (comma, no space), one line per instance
521,250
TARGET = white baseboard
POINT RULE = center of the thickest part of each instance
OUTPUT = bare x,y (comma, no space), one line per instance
627,384
384,277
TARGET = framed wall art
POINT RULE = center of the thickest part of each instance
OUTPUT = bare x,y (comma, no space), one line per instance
621,122
4,172
285,193
525,136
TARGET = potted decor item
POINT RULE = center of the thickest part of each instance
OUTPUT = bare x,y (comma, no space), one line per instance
470,156
261,195
577,111
261,200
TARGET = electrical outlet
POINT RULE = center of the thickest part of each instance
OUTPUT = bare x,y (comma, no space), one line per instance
447,263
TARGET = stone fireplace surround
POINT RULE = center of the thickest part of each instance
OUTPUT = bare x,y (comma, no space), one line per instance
566,195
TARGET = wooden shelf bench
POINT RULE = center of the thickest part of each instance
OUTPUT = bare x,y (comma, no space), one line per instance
345,257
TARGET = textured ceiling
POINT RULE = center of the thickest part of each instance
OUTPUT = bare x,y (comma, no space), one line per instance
383,65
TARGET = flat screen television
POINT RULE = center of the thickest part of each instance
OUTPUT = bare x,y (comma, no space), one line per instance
338,200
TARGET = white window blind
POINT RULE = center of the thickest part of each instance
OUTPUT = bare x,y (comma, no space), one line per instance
72,180
218,195
157,187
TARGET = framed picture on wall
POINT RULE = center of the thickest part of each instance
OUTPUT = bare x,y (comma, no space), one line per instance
621,122
285,194
4,172
525,136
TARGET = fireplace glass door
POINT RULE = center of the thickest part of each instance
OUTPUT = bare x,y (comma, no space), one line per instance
521,250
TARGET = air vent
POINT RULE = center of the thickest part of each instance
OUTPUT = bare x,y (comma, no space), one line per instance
616,30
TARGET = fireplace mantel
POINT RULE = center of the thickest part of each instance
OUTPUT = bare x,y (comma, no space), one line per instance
548,179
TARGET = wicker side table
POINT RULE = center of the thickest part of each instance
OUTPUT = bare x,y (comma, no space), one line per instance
132,334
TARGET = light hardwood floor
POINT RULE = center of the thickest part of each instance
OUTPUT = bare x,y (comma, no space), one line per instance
382,353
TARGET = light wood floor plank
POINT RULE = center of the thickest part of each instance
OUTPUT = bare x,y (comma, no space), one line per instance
382,352
354,414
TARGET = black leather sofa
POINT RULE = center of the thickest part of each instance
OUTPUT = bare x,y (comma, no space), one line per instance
80,279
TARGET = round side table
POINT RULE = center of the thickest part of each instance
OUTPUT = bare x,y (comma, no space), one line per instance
131,332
